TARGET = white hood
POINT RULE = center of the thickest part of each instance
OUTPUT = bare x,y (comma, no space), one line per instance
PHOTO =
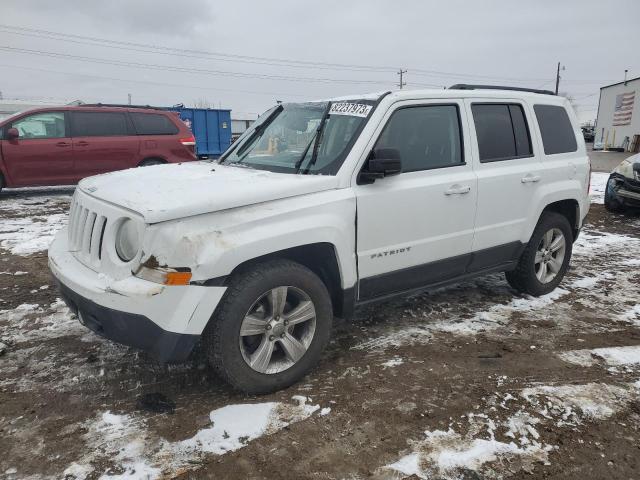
167,192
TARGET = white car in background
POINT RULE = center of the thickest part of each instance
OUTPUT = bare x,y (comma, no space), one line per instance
623,187
317,209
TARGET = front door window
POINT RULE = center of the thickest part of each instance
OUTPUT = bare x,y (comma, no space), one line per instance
41,125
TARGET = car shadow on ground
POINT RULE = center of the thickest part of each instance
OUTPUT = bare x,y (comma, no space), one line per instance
36,191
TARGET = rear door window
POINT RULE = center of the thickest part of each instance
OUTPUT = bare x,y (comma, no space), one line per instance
99,124
502,131
556,129
153,124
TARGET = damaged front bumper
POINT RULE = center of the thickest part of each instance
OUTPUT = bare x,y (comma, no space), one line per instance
165,321
626,189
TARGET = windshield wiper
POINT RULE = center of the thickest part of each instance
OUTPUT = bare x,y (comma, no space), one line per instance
316,143
306,150
258,131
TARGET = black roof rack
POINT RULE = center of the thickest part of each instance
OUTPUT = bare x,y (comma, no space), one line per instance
123,105
465,86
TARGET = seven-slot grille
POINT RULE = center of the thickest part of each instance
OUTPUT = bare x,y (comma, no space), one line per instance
86,231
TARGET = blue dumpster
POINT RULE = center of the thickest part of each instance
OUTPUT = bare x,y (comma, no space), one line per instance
211,127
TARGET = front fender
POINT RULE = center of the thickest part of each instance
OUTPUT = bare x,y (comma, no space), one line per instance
213,245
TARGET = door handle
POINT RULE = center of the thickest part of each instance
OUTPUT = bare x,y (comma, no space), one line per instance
530,178
63,144
457,190
82,144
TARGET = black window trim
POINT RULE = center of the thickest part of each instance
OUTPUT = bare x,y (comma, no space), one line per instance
67,124
71,129
526,122
422,105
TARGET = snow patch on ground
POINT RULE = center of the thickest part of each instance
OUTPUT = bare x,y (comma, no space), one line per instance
491,445
598,186
139,455
592,401
30,223
500,314
449,454
611,356
592,281
24,236
631,315
394,362
28,322
591,242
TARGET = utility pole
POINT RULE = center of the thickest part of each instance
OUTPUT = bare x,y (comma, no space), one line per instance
129,95
558,78
401,72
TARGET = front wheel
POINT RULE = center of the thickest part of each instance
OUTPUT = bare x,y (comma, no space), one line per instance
545,260
270,327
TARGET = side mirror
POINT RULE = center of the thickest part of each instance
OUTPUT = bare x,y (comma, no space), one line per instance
12,134
383,162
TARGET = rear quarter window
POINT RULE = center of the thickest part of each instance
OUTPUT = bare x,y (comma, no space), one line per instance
153,124
556,129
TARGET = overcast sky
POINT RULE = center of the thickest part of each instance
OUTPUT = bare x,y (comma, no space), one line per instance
314,49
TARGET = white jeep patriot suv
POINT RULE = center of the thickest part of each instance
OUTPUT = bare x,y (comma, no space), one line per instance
318,208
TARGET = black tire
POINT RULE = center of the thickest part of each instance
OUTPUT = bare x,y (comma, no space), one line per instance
611,201
221,338
524,278
150,162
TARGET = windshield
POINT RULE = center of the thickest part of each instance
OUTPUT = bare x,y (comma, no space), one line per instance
301,137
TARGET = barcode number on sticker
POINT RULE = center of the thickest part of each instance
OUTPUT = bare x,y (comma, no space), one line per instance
355,109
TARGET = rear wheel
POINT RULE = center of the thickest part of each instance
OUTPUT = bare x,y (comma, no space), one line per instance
270,327
611,201
545,260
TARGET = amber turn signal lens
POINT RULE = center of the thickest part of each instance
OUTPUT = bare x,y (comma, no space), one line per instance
177,278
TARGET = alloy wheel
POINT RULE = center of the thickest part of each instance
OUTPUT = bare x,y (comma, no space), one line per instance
550,255
277,330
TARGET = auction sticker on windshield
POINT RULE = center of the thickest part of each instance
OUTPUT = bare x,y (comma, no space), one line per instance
354,109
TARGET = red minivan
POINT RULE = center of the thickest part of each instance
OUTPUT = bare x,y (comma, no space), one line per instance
61,146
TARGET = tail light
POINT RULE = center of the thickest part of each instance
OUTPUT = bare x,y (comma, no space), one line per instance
190,143
589,179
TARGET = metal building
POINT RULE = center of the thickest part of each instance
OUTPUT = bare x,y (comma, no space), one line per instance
618,123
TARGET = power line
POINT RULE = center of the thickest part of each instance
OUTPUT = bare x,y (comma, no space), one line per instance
173,68
211,55
148,82
96,41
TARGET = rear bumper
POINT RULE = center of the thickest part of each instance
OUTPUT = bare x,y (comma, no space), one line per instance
129,329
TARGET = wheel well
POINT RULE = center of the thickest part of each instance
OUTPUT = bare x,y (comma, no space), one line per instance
320,258
569,209
152,159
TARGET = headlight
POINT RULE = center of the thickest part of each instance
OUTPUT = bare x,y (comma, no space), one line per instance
127,240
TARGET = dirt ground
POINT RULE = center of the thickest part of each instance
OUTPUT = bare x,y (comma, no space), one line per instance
468,382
